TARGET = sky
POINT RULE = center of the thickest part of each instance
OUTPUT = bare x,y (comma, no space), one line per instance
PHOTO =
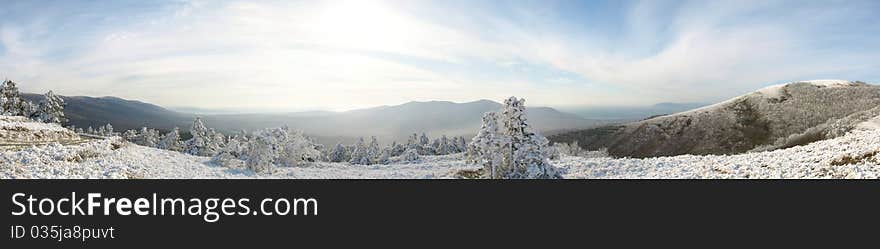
341,55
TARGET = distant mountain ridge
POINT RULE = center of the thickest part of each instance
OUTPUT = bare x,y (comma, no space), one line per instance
394,122
770,118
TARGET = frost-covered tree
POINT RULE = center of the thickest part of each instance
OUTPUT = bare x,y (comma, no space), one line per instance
373,150
338,154
91,131
425,145
360,154
280,146
199,143
384,157
261,152
102,131
129,135
411,155
51,109
170,141
148,137
297,148
514,151
485,147
396,149
10,99
108,130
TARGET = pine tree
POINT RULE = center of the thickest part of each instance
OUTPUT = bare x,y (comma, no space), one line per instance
197,145
360,154
485,147
384,157
411,155
51,109
338,154
10,99
129,135
514,151
170,141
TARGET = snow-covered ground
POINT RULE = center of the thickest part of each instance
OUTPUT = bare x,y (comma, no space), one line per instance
19,131
102,159
116,159
854,155
809,161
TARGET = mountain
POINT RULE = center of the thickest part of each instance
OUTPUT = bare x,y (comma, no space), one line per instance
775,117
122,114
397,122
386,122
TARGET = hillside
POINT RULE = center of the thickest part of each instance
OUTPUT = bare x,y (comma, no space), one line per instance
20,132
122,114
775,117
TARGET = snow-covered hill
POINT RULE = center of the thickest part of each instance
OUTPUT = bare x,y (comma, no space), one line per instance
20,131
775,117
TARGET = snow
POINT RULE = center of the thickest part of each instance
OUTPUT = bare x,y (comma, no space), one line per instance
25,124
114,158
809,161
773,91
17,131
99,159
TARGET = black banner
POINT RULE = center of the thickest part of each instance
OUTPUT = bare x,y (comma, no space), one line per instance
416,213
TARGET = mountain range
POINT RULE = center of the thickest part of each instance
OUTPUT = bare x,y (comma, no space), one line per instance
387,123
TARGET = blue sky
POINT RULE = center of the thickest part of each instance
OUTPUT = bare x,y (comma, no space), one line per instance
338,55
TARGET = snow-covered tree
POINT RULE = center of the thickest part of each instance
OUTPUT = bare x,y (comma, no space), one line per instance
373,149
280,146
425,145
129,135
51,109
170,141
261,152
199,144
297,149
411,155
10,99
514,151
360,154
148,137
384,157
91,131
485,147
396,149
338,154
108,130
102,131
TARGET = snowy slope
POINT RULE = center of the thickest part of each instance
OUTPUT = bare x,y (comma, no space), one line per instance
774,117
116,159
19,131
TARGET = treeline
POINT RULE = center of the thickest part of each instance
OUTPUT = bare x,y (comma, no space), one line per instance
49,110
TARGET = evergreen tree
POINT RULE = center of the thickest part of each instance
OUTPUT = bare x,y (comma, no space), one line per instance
51,109
170,141
10,99
338,154
200,139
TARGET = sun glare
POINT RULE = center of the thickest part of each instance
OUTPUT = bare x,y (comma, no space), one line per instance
360,24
